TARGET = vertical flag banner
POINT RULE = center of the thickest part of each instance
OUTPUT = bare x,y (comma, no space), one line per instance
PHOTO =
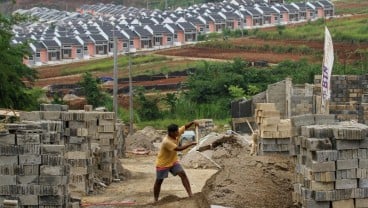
328,59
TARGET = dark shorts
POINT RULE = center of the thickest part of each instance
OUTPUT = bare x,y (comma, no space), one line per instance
162,173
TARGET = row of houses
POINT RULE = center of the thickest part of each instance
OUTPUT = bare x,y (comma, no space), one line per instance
60,36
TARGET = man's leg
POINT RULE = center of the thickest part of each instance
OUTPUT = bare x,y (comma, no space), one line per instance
185,181
157,188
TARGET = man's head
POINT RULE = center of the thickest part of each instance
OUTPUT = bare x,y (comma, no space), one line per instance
173,130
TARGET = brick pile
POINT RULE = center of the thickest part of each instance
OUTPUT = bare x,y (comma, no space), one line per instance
32,170
274,132
349,97
331,162
56,153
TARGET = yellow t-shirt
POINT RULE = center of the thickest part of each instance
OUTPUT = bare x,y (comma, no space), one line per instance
167,155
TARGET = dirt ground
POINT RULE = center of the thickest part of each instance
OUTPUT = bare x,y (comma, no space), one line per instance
241,180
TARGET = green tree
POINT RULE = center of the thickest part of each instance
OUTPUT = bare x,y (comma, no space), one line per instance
147,109
92,91
236,92
171,100
14,93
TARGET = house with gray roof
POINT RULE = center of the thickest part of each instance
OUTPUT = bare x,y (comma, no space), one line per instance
146,38
53,49
269,15
217,23
190,31
71,48
162,37
101,44
178,33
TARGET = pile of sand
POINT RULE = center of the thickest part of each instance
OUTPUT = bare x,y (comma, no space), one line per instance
143,139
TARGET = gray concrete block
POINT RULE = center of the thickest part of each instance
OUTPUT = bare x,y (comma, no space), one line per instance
28,200
361,203
9,150
29,159
363,153
33,179
50,200
346,184
363,163
310,203
363,183
29,116
7,139
77,140
50,107
52,149
326,196
347,144
346,174
346,164
362,173
364,143
348,203
314,144
323,166
52,170
8,160
53,180
324,155
66,116
324,119
50,115
268,141
29,149
7,180
31,138
347,154
30,170
349,133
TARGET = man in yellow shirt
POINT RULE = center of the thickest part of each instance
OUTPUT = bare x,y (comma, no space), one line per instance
167,158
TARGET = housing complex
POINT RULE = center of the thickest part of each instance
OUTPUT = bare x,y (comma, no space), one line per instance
59,37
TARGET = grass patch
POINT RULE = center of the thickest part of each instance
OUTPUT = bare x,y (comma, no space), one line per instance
341,29
108,64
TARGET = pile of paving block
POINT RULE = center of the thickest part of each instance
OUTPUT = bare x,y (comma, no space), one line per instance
331,162
55,153
274,132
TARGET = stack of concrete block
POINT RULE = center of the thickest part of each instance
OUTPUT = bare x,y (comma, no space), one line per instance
106,162
348,94
363,112
331,162
274,132
93,142
205,127
32,172
79,154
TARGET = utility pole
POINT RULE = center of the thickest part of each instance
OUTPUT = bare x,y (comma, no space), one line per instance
130,92
165,4
115,89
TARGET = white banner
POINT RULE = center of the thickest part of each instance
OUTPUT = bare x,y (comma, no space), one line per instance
327,65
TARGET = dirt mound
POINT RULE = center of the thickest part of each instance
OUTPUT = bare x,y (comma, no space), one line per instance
252,181
242,180
143,139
